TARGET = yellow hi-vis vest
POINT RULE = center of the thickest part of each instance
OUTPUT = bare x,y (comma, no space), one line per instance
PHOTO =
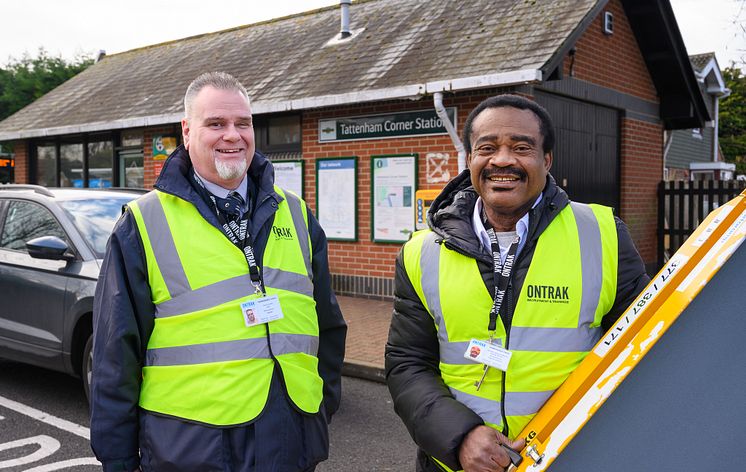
202,362
569,287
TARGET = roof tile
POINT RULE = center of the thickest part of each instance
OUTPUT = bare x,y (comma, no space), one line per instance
402,43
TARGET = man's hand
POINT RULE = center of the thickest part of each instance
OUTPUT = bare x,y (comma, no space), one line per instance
481,452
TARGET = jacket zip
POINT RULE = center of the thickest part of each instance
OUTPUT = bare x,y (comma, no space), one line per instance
509,299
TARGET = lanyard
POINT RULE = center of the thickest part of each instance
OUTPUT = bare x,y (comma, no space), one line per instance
237,233
501,276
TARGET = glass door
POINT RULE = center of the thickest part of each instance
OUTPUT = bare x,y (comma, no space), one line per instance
131,168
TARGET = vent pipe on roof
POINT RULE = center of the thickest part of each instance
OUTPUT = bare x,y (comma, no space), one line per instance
443,115
344,30
101,54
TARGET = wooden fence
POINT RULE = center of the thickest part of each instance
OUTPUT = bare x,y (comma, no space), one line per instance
683,205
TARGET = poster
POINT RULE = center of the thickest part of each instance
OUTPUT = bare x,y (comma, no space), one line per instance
336,203
394,182
289,175
163,146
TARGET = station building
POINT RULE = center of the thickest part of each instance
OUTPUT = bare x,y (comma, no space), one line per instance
353,117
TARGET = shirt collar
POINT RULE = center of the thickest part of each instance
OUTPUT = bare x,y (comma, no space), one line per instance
521,227
221,192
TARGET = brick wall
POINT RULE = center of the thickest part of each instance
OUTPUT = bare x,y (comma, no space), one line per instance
615,61
642,169
363,267
21,173
611,61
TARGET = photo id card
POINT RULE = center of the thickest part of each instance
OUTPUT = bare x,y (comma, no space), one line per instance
261,310
492,355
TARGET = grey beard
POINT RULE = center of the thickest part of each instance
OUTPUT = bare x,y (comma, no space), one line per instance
231,171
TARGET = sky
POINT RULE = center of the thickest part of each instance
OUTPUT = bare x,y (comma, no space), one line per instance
73,27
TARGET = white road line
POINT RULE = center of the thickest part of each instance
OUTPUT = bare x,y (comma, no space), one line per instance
47,447
39,415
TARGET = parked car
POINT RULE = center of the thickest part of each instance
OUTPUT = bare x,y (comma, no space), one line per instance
52,242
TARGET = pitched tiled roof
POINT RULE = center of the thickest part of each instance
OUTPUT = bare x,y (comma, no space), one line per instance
285,63
699,61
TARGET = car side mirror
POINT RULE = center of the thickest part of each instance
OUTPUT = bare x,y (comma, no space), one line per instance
49,247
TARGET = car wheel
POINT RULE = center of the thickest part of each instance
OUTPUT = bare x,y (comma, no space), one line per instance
87,368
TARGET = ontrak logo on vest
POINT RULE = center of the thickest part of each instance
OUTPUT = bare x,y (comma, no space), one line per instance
282,232
547,293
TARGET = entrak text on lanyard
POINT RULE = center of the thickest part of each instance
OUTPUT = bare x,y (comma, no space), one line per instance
487,353
260,308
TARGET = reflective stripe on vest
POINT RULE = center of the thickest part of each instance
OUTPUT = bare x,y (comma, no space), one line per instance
572,283
200,352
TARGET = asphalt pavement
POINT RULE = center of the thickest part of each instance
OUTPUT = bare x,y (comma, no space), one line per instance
44,426
46,411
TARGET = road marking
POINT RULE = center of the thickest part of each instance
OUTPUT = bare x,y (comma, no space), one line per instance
39,415
64,465
47,447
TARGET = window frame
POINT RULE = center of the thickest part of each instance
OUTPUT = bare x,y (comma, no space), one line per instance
7,202
261,134
84,140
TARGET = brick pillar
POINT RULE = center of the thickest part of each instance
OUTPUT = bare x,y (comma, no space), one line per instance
642,169
22,174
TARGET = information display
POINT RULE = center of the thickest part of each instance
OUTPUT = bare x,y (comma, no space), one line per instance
394,185
336,202
289,175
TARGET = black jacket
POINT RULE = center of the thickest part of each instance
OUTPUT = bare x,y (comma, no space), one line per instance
436,421
123,322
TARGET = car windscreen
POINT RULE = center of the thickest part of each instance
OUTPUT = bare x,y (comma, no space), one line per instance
95,218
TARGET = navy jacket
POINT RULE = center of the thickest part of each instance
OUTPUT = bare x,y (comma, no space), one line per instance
435,420
123,435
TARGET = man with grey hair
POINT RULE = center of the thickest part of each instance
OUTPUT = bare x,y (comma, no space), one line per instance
218,341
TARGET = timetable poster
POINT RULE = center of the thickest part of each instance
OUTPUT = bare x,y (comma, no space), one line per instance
394,181
335,197
289,175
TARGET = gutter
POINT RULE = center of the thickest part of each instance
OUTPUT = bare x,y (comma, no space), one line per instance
443,115
411,92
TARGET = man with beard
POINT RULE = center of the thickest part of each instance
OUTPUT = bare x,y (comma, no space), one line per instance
183,379
509,266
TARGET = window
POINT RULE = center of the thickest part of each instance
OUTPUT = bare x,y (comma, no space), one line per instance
95,218
278,133
131,169
132,138
100,164
71,165
6,168
85,161
26,221
284,130
46,165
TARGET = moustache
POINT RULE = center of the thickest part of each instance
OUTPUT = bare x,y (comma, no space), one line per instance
503,172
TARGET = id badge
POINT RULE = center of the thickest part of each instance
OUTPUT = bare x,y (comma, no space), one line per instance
261,310
492,355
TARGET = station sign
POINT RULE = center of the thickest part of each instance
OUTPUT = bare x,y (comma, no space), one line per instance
390,125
